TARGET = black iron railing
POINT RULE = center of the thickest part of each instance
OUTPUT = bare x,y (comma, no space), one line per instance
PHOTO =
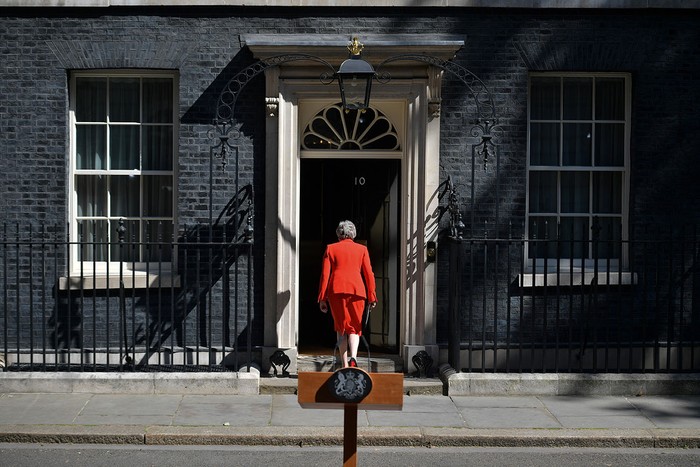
513,306
508,307
178,303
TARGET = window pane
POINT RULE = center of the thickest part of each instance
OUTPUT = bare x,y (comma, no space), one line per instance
158,196
161,236
94,236
574,192
610,99
542,233
124,100
321,135
544,144
90,146
124,195
577,144
129,250
544,98
609,244
335,117
543,192
158,100
124,147
157,147
363,120
574,234
91,99
578,98
92,195
610,144
607,193
379,135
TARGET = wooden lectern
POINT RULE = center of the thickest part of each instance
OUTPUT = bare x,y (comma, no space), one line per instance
350,389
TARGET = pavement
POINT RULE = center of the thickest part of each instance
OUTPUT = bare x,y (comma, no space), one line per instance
428,418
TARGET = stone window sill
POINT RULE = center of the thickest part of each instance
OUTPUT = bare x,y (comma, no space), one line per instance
131,280
604,279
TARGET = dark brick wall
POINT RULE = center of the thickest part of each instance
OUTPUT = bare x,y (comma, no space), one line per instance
661,50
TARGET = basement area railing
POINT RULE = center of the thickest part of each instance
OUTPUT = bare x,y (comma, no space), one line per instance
582,305
183,303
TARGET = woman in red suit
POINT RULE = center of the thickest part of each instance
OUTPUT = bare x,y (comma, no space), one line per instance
345,263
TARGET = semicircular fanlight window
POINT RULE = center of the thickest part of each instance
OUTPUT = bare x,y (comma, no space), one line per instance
335,129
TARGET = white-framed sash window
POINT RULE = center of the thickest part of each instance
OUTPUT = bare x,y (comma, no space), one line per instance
123,133
578,171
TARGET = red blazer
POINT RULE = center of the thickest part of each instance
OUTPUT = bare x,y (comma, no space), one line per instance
344,264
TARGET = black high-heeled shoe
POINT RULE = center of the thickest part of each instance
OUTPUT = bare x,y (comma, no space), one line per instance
352,363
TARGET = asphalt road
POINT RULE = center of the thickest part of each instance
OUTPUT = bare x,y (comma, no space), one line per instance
20,455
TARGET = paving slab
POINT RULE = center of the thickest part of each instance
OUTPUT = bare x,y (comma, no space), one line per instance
404,419
603,421
286,411
496,401
218,410
27,409
122,409
596,412
670,411
418,410
137,404
422,403
561,406
495,417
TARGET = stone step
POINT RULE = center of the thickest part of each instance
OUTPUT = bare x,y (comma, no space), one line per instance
381,364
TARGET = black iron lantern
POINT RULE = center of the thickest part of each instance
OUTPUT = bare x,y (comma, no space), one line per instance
355,79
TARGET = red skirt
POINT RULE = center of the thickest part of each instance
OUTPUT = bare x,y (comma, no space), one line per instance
347,313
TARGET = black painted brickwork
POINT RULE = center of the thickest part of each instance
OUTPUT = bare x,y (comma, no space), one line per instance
661,49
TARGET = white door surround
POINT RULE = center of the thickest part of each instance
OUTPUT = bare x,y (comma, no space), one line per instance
291,91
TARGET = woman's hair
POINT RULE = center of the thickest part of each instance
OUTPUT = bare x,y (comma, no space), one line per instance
346,229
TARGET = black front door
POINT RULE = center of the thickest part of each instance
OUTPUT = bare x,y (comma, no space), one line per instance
367,193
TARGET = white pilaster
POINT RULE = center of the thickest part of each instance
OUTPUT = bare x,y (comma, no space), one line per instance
271,209
431,203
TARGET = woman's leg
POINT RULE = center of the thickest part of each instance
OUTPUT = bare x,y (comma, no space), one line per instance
355,307
353,343
343,348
